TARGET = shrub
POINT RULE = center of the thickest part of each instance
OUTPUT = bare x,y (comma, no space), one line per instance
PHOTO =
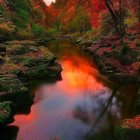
7,30
80,22
131,19
37,30
52,32
125,50
23,34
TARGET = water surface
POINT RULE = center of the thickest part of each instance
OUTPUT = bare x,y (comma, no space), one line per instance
82,101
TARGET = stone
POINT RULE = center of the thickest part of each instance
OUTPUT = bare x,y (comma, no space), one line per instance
12,89
6,113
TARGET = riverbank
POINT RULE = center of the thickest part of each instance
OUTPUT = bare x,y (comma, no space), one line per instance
20,63
119,62
77,100
31,59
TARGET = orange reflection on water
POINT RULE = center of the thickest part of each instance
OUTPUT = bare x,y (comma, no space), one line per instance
24,119
79,74
52,102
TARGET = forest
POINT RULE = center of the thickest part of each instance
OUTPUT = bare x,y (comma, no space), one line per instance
70,70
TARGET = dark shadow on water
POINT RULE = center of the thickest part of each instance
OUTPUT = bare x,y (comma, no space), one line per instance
8,132
128,98
33,85
103,112
23,109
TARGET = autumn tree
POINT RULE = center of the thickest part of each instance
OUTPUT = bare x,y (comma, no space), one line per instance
80,22
117,15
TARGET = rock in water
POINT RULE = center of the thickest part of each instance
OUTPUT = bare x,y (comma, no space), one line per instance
28,60
6,113
12,89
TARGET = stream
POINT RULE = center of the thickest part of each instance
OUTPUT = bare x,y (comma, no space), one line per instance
83,101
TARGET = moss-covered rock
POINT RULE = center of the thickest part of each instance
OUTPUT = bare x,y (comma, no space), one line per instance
119,62
12,89
136,107
29,60
7,31
1,60
129,130
24,61
6,113
127,134
43,71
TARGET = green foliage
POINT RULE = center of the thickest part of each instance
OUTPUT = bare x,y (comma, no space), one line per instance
105,25
37,30
52,32
22,10
24,18
7,112
131,19
7,30
4,14
1,9
125,50
57,24
88,37
127,134
36,14
18,4
80,22
22,34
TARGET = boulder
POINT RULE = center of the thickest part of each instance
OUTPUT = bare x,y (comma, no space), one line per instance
28,60
12,89
7,31
25,61
2,51
43,71
6,113
1,60
129,129
121,65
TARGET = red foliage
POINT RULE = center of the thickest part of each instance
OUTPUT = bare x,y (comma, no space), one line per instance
132,123
97,6
94,8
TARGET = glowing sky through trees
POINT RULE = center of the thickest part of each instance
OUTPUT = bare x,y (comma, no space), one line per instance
48,2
